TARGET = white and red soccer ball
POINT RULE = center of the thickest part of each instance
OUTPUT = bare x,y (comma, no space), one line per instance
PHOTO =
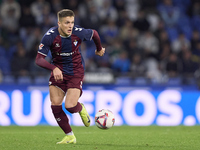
104,119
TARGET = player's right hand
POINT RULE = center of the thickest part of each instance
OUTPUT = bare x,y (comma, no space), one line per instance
57,73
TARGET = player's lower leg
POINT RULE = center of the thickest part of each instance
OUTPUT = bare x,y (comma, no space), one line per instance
83,113
63,122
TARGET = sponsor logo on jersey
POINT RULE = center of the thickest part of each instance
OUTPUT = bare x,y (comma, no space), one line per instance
65,54
75,42
58,119
40,46
57,45
81,84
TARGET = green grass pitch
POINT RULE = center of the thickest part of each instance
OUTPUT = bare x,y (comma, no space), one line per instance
92,138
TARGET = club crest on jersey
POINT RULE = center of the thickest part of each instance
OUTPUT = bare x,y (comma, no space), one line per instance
75,42
57,45
40,46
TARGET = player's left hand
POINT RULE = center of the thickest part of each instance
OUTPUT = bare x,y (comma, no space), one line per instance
101,52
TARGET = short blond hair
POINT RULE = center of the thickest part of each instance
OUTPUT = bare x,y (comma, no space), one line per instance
65,13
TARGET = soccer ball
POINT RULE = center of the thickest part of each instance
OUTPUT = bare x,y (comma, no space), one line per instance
104,119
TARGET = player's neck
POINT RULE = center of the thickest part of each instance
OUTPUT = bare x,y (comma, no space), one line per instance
62,34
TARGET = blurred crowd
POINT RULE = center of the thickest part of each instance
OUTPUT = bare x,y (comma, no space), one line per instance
151,39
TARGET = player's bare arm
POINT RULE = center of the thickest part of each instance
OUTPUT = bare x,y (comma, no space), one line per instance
101,52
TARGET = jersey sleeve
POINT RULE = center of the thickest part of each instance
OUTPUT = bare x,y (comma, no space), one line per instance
45,45
84,34
88,33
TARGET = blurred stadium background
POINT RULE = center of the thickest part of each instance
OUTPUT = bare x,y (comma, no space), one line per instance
151,65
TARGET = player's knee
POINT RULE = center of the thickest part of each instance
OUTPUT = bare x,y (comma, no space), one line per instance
70,104
56,102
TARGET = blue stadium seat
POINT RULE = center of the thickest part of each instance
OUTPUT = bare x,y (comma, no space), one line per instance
175,81
24,80
184,21
182,4
4,65
2,51
41,80
123,80
190,81
196,23
8,79
187,32
140,81
177,2
11,52
172,32
185,26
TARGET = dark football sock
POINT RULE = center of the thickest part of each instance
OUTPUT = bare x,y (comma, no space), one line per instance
75,109
61,118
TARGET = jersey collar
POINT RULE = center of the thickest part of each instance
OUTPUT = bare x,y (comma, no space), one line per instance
65,36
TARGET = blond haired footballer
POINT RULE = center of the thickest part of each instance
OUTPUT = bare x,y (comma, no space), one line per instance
67,68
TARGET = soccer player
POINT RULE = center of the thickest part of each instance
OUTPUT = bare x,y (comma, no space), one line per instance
67,68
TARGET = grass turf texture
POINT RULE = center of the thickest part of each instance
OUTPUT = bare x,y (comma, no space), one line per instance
92,138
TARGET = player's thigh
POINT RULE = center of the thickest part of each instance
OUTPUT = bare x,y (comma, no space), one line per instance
56,95
72,97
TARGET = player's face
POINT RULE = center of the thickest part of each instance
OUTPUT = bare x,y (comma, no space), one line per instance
66,25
